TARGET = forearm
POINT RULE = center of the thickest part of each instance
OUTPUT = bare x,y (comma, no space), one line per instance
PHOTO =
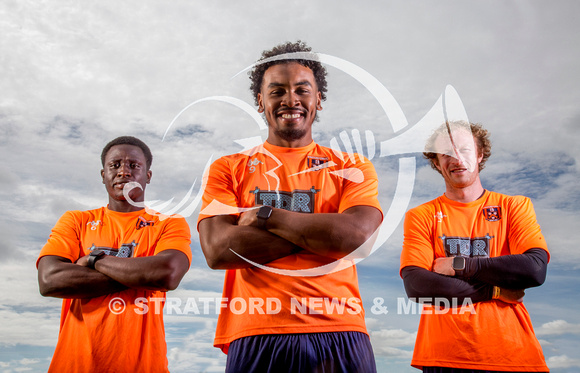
518,271
68,280
159,272
221,240
422,283
327,234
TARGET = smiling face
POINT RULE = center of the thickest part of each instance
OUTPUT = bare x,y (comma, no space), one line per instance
289,99
459,165
123,164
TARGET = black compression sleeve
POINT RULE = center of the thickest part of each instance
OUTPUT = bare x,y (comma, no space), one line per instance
517,271
422,283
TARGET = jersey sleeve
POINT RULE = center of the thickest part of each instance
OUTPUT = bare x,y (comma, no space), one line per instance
176,235
64,239
218,197
524,230
418,239
360,187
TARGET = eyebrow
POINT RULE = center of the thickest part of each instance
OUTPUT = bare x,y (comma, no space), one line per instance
304,82
120,159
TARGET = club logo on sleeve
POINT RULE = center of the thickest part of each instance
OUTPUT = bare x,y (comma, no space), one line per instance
142,223
492,213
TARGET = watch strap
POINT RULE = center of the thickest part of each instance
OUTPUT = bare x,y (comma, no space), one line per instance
93,257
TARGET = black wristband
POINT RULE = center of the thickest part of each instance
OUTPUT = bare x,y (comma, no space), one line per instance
93,257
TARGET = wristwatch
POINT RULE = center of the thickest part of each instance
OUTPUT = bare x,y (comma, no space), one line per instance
458,265
93,257
263,215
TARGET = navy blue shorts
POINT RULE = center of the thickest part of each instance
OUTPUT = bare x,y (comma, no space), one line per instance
348,352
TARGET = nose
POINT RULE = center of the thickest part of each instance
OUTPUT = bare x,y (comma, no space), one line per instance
290,99
458,159
124,170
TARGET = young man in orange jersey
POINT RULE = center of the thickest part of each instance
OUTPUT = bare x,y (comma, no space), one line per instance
291,205
476,250
112,267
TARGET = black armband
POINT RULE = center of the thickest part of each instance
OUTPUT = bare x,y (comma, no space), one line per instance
516,271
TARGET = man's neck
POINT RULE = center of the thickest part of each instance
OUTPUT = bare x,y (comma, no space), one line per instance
465,195
289,144
122,206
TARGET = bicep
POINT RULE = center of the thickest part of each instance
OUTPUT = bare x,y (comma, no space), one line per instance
367,218
214,232
50,266
51,263
175,259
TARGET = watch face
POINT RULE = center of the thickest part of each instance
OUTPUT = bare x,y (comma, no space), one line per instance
264,212
458,263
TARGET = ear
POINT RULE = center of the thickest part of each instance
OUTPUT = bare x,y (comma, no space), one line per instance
149,174
318,100
260,103
436,162
103,176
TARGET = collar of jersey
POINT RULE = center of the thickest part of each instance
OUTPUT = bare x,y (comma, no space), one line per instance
282,149
478,201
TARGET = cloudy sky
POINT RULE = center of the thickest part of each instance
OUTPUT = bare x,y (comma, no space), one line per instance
77,75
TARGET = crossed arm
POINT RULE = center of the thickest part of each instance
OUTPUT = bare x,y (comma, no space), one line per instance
59,277
332,235
511,273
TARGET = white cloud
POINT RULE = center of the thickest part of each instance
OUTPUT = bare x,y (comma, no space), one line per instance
29,328
22,365
562,361
388,342
196,353
558,327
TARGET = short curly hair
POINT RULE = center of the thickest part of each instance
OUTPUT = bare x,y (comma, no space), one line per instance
257,73
128,140
480,134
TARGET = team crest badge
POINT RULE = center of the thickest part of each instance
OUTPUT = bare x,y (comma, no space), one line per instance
142,223
492,213
317,162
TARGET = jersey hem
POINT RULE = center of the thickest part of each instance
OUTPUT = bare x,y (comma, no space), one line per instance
224,342
486,366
